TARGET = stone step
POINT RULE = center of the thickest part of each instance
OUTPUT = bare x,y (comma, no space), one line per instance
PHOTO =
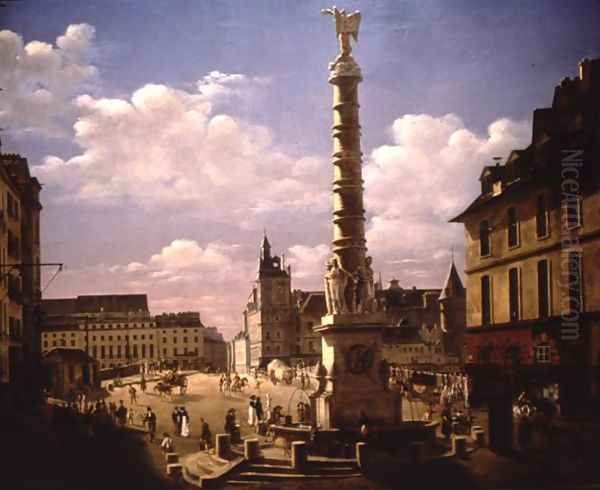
322,469
264,476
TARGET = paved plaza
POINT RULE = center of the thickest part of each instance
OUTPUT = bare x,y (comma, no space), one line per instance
203,399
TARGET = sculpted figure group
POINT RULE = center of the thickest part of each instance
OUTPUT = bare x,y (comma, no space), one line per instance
338,279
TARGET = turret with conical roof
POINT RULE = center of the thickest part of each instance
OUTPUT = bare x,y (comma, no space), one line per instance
453,287
453,313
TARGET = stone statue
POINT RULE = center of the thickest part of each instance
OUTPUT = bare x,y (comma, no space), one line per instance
364,288
336,282
328,299
345,26
368,304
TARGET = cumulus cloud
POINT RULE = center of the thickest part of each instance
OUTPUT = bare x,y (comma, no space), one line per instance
425,176
39,80
308,263
170,147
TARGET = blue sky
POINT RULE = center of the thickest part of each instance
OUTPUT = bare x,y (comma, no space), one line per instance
189,175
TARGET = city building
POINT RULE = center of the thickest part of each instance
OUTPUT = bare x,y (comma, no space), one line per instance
70,371
19,271
118,330
310,307
269,314
426,325
180,339
115,329
532,246
278,323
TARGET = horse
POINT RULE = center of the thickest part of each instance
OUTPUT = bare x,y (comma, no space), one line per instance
178,380
162,389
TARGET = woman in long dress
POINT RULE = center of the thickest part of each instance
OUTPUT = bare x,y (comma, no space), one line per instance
185,423
252,411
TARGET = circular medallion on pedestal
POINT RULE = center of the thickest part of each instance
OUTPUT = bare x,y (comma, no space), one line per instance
359,358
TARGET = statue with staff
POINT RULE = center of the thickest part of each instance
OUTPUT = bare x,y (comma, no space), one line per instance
346,26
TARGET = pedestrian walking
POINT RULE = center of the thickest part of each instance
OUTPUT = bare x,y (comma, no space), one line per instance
143,384
175,419
131,416
121,414
150,420
252,411
185,423
205,435
132,398
258,409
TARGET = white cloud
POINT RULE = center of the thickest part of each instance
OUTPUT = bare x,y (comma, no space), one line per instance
39,80
308,263
169,147
414,185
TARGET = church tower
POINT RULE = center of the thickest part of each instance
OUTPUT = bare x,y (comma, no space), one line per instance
269,317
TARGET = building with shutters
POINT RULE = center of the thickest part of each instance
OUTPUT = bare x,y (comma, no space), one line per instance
532,247
20,295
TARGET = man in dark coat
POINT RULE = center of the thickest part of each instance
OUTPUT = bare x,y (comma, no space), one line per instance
150,420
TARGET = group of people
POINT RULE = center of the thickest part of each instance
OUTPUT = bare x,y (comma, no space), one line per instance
255,410
230,383
181,421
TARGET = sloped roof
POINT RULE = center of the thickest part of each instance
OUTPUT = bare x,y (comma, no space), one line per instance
113,303
453,286
59,307
314,304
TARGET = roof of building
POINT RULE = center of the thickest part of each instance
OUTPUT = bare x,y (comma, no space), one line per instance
572,119
313,303
453,287
59,307
97,303
62,354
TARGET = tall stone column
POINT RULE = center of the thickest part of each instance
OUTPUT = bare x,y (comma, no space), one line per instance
349,244
353,377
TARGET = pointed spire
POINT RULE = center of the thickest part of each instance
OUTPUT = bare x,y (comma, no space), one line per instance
453,286
265,247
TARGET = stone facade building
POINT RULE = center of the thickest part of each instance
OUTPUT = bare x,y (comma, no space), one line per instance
19,271
426,325
278,323
118,330
532,245
269,312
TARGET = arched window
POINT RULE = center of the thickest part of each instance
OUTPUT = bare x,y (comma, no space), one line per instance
484,238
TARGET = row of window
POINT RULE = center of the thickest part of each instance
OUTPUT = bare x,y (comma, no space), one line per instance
109,326
543,287
572,215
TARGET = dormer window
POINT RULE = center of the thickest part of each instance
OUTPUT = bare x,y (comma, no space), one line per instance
497,188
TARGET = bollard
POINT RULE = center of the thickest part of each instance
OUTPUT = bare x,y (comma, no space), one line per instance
362,455
251,449
171,458
479,437
223,446
475,428
459,446
299,456
418,452
174,470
